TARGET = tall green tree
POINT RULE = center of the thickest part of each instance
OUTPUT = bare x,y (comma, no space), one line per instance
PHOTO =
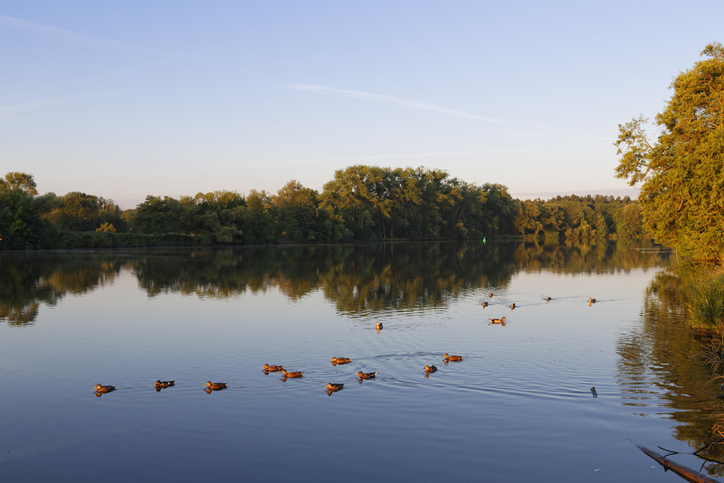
21,214
682,172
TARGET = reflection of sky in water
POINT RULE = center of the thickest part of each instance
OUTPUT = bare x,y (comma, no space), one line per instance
518,407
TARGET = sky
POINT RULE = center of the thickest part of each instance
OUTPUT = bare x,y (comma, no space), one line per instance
171,98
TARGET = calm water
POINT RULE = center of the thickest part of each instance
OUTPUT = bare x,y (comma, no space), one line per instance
517,408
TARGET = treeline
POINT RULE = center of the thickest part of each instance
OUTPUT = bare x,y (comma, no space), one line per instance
361,203
580,217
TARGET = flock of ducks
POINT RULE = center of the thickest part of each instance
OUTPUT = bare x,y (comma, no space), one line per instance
332,386
501,320
329,388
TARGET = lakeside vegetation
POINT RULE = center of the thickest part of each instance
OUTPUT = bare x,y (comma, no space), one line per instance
361,203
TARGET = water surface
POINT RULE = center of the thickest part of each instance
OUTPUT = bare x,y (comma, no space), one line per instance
518,407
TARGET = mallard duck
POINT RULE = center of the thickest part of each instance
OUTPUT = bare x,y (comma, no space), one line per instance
548,299
490,294
341,360
269,368
334,386
378,326
104,389
452,358
591,301
485,304
366,375
429,369
292,374
215,386
497,321
164,384
512,306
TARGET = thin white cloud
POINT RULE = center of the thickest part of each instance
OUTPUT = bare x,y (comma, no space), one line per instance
401,101
61,36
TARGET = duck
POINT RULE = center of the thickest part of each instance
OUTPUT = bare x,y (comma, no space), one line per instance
334,386
292,374
269,368
378,326
490,295
215,386
548,299
104,389
452,358
497,321
512,306
366,375
341,360
485,304
429,369
164,384
591,301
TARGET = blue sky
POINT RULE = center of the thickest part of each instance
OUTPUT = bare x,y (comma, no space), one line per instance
127,99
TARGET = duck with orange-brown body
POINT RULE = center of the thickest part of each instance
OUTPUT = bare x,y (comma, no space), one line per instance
500,321
366,375
215,386
101,389
268,368
292,374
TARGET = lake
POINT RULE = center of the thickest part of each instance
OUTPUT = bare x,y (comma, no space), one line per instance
518,407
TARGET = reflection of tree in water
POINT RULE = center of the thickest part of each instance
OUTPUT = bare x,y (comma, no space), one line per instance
587,256
661,360
27,280
358,279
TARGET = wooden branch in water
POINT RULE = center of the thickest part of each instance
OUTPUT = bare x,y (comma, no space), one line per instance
686,473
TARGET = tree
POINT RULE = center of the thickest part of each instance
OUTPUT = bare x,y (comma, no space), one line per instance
21,214
76,211
682,173
158,215
16,181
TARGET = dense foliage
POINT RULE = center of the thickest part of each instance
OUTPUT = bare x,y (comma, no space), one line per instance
682,195
361,203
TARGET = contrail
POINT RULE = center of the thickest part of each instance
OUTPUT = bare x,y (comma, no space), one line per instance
400,101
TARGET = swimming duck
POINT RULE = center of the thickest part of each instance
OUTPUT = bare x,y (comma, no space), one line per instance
269,368
497,321
366,375
341,360
591,301
512,306
334,386
378,326
292,374
215,386
548,299
164,384
452,358
485,304
429,369
490,294
104,389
